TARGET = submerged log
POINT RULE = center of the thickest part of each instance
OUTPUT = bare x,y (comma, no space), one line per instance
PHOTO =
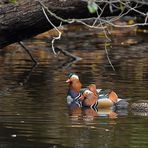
26,19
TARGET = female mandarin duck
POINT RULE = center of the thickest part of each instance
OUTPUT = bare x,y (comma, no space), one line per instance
74,95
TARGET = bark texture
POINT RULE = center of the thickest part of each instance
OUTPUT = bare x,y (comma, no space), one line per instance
26,19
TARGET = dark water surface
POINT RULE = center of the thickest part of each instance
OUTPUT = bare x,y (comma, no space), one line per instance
36,115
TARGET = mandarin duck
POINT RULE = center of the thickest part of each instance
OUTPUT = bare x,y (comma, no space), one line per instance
105,98
74,96
89,99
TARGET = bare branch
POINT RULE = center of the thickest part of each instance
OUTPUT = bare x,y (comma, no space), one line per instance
59,32
124,6
108,56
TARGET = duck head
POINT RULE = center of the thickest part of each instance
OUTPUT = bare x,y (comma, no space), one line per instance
86,93
74,82
72,77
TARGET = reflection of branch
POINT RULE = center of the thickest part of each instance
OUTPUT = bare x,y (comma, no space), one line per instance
68,64
73,60
28,75
28,51
66,53
12,88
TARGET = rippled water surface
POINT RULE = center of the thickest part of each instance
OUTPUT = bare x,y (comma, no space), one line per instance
33,109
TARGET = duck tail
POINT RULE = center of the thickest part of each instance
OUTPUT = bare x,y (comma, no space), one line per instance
113,97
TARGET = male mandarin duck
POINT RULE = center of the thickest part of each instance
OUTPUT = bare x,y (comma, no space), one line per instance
74,95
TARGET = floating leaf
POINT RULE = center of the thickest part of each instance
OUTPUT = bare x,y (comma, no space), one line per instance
92,7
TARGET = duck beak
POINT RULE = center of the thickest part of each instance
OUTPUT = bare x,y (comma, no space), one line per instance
68,81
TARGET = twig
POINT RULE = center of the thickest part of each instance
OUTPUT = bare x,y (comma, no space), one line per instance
69,21
105,34
146,18
59,32
108,57
99,15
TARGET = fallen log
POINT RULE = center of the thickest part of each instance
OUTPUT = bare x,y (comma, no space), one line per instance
26,19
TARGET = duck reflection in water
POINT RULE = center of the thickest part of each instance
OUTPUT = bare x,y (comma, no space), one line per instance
89,114
75,111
